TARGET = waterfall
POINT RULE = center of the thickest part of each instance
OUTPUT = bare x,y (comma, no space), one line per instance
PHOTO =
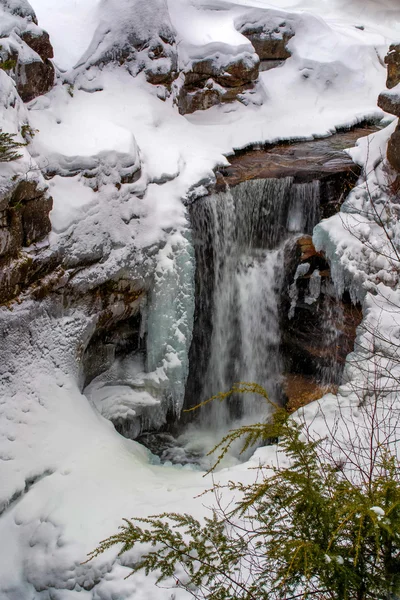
239,237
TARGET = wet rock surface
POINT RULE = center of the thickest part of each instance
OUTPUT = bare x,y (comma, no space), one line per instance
303,160
322,159
318,328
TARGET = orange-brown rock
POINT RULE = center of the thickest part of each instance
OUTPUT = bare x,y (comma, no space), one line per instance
307,248
392,60
300,391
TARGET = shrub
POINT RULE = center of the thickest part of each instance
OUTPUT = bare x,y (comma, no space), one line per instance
9,147
313,529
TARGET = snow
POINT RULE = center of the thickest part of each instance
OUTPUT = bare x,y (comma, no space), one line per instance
70,197
71,27
378,511
67,478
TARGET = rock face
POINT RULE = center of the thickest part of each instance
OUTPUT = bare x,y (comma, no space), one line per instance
393,63
24,217
304,161
24,220
318,329
217,79
25,51
389,101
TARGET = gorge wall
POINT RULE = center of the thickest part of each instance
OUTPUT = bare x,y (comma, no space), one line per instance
130,361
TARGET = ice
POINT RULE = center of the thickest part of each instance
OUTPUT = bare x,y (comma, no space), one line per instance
293,290
170,316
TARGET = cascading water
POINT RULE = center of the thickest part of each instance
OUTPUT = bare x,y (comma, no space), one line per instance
239,237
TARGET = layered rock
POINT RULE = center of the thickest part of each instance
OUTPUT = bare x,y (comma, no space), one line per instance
25,50
305,162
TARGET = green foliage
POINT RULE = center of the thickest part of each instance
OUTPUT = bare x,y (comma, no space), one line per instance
9,64
306,530
9,147
251,434
27,132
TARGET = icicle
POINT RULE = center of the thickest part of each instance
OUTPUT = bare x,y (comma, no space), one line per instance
170,316
293,291
314,288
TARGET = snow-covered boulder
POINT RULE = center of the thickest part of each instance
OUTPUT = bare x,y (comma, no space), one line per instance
136,33
389,101
218,78
25,50
270,32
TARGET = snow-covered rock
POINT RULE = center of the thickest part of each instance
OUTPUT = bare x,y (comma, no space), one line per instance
138,34
25,50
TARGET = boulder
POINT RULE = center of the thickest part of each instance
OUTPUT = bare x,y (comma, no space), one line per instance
39,42
217,79
34,79
270,33
389,101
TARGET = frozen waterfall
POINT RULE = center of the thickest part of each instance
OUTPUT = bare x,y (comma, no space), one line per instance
239,236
